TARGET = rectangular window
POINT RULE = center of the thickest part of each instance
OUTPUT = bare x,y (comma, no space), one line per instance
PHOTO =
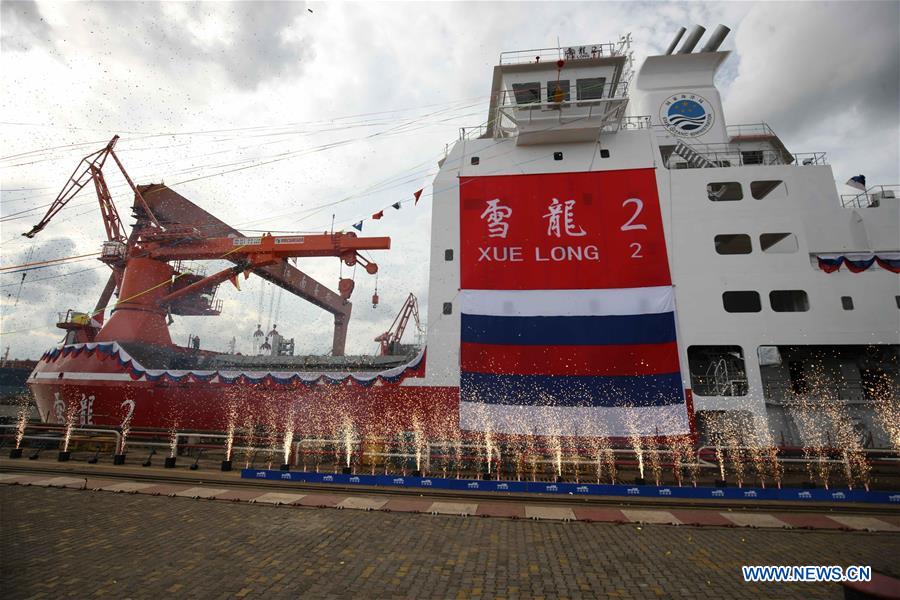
724,191
847,302
778,243
448,308
752,157
448,254
558,91
761,189
591,88
717,370
527,93
733,243
789,300
741,302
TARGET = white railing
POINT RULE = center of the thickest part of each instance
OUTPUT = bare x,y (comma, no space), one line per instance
729,155
607,91
872,197
750,129
542,55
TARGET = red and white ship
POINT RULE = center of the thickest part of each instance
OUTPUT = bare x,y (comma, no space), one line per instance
568,232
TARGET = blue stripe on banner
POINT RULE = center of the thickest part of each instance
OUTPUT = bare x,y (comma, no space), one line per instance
655,328
559,390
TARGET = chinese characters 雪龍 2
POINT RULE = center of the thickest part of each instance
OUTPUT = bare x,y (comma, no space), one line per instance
496,215
562,213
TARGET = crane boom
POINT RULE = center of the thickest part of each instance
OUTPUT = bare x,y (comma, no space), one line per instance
391,338
90,168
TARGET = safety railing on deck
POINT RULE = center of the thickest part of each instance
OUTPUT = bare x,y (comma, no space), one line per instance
539,55
872,197
750,130
639,122
726,155
471,133
605,92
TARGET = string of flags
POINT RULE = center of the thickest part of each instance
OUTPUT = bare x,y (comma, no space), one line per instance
396,205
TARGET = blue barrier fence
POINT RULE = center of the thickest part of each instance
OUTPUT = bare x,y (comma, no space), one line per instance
580,489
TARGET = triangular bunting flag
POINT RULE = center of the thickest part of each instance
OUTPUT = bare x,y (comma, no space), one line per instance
396,205
358,226
416,196
378,215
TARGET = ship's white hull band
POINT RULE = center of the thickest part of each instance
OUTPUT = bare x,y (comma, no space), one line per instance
600,421
568,303
86,376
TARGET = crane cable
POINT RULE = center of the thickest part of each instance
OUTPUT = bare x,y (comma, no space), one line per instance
44,263
167,281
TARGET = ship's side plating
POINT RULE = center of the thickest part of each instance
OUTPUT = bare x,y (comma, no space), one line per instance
759,322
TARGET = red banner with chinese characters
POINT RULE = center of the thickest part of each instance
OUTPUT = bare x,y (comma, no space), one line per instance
596,230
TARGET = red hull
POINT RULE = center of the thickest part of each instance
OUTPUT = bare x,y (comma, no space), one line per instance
101,390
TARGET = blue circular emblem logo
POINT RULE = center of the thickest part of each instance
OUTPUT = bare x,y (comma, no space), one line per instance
687,115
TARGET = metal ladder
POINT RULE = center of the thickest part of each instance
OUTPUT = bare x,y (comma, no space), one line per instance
693,158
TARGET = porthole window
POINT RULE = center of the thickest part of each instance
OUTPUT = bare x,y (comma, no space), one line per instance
789,300
745,301
724,191
733,243
778,243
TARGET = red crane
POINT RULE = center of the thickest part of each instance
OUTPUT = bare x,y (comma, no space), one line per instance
150,290
390,339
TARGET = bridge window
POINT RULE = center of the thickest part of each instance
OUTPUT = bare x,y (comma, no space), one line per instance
527,93
590,88
847,302
448,308
778,243
789,300
752,157
733,243
717,370
448,254
741,301
761,189
724,191
558,91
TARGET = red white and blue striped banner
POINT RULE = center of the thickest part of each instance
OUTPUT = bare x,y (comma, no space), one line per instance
857,262
567,308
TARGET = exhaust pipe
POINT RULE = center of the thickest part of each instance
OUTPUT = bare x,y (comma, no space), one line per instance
715,39
692,39
677,39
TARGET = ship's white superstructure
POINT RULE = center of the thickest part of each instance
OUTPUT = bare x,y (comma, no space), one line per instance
760,322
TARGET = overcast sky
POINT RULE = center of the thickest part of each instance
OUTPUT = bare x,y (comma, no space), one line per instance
355,103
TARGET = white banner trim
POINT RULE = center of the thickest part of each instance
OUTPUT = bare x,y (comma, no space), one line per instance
568,303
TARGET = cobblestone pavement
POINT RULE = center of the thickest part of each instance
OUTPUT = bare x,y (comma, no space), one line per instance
60,542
